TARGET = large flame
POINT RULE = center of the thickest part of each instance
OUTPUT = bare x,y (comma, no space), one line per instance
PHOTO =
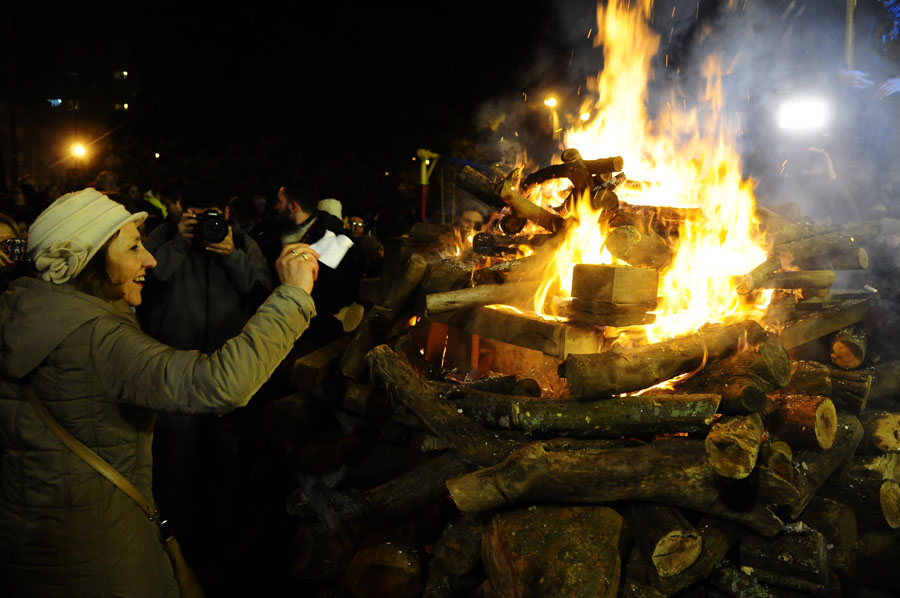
687,159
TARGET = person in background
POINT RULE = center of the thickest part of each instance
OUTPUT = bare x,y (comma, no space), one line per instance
357,227
12,264
203,293
470,218
70,335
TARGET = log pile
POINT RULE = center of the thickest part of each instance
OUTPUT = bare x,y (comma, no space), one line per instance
771,466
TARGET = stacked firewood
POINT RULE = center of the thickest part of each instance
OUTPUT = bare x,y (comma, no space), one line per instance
771,468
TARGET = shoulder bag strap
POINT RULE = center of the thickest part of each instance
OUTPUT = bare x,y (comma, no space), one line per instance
90,457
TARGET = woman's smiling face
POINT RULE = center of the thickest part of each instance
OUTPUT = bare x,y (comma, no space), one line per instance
127,262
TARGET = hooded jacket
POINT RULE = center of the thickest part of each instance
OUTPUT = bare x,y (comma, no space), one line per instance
64,529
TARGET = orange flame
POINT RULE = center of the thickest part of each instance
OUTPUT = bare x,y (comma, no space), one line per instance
690,160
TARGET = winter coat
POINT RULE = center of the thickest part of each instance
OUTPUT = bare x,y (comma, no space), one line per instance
64,529
197,299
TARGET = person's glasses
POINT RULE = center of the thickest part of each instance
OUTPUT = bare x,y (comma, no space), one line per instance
356,225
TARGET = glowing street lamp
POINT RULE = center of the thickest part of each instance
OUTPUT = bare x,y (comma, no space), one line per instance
78,150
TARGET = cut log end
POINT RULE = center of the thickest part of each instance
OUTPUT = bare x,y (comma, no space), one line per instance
890,503
826,424
676,551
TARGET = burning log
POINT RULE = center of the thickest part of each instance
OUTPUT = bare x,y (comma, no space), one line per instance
526,209
799,279
804,421
480,186
556,339
625,370
568,170
846,238
555,551
805,570
512,293
850,389
674,472
837,523
615,285
745,378
818,324
616,416
472,442
381,317
882,432
526,269
488,244
639,248
848,347
666,536
814,466
448,274
732,445
868,484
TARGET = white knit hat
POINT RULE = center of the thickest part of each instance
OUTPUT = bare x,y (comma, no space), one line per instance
332,206
65,236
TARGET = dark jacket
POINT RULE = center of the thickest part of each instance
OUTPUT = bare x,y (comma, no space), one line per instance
197,299
64,529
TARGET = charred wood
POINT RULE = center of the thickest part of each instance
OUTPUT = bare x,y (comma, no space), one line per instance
556,339
850,389
555,551
508,385
675,472
848,347
666,536
802,421
512,293
526,209
567,170
617,416
480,186
745,378
809,378
882,432
795,559
732,445
620,370
637,248
813,466
799,279
837,523
381,317
471,441
818,324
867,483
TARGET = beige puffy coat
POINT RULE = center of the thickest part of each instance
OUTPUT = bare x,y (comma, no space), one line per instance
65,530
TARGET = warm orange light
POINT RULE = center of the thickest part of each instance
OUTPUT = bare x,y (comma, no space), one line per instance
550,102
690,160
78,150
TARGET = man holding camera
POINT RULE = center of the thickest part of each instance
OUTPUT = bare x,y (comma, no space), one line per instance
206,285
207,278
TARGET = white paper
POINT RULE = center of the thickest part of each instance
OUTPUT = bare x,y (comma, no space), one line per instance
332,248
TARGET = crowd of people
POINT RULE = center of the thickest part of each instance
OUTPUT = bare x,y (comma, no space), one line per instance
178,304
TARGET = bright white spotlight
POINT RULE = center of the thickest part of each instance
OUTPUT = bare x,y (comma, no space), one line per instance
803,115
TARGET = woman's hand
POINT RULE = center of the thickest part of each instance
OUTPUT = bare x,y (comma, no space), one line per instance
298,266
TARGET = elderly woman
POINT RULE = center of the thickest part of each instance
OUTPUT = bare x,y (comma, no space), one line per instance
70,336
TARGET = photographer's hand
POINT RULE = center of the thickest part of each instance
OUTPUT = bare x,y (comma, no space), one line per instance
4,260
223,247
186,225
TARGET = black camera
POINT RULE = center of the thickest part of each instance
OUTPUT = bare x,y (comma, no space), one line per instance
14,249
211,227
